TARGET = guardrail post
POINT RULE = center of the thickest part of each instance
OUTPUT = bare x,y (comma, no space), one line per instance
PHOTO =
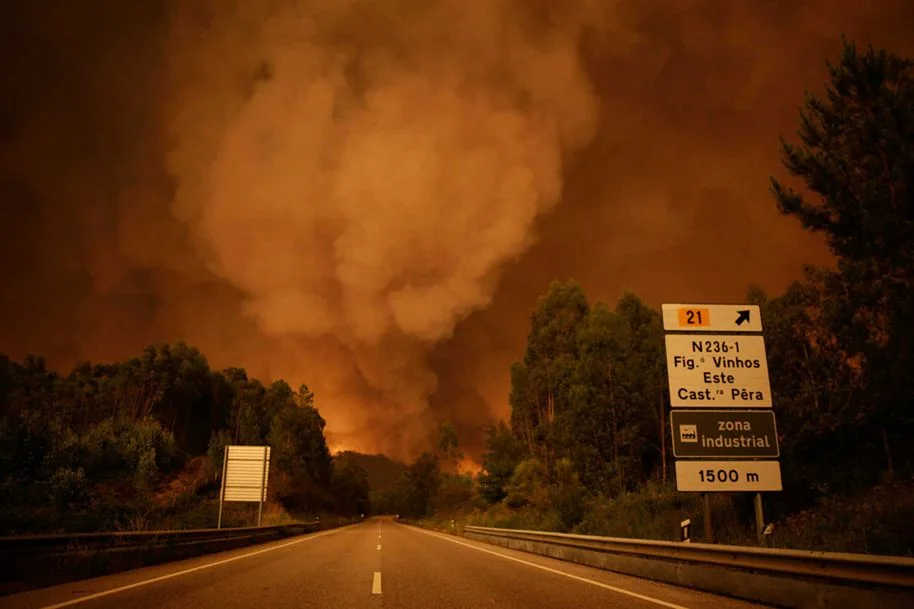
684,529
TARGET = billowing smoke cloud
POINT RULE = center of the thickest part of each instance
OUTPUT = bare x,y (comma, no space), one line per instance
670,199
361,171
367,196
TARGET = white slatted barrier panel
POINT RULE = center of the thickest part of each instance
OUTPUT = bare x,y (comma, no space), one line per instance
245,476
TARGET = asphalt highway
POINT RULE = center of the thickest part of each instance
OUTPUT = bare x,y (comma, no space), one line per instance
375,564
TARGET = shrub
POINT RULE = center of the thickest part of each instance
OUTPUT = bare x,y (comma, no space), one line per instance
69,488
567,495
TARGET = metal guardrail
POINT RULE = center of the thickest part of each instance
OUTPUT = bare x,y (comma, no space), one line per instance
31,561
121,539
853,568
788,578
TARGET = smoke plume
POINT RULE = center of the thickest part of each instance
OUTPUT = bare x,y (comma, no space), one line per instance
360,171
367,196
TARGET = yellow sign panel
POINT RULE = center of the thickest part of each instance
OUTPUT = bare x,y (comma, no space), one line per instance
694,318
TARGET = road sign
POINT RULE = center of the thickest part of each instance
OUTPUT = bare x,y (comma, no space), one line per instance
713,370
711,318
724,433
716,358
244,476
728,476
247,469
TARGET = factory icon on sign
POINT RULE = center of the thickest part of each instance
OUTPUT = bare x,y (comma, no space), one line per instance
688,433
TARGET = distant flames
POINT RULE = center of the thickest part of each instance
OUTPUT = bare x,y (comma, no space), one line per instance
337,448
469,466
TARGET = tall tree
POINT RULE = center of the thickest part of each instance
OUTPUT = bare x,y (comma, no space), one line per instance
541,383
301,454
614,429
503,452
644,386
856,158
449,447
419,485
817,392
350,485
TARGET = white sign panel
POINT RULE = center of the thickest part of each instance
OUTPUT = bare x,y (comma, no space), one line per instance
727,476
711,318
246,472
711,371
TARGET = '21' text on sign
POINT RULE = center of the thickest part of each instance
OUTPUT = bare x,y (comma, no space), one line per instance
717,370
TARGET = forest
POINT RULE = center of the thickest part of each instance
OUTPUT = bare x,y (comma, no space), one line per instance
137,444
587,447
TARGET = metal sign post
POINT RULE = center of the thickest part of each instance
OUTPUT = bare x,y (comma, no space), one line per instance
759,518
222,487
709,528
263,486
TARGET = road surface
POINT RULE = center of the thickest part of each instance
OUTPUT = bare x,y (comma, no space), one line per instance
375,564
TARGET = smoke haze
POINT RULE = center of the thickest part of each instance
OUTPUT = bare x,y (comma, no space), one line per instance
368,196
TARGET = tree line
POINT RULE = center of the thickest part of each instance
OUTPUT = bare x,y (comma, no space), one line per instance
589,398
88,448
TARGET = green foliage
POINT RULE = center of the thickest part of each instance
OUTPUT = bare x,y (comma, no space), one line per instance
92,449
449,447
455,493
351,488
418,486
856,156
618,397
383,472
384,480
503,452
69,488
26,440
587,446
147,448
879,520
301,457
528,485
588,399
567,494
216,449
540,383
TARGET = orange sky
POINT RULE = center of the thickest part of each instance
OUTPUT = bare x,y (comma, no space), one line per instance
369,197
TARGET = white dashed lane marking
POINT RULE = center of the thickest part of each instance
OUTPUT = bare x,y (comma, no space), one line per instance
376,583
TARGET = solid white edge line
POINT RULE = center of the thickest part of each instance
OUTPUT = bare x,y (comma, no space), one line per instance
145,582
643,597
376,583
